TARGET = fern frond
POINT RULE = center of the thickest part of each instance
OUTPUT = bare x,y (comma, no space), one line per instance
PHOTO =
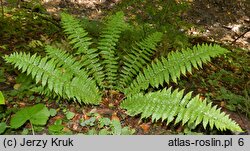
167,105
138,58
92,64
78,38
173,66
109,37
64,60
46,92
57,79
76,34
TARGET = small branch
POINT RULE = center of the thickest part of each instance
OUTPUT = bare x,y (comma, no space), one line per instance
248,30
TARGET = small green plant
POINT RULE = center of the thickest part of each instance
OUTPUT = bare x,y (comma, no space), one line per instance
2,100
56,128
52,112
69,115
36,115
3,127
105,126
96,67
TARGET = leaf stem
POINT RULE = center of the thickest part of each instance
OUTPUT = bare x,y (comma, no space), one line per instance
32,128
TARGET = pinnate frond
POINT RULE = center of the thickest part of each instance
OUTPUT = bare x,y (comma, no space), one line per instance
167,105
81,42
76,34
173,66
108,40
139,56
56,78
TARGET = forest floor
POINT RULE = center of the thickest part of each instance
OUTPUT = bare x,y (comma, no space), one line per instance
226,23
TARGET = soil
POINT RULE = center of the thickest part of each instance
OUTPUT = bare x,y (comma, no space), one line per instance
223,21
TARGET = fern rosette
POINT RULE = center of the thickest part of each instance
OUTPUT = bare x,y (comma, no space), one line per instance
93,68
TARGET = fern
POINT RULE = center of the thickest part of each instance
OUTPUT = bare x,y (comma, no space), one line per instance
78,38
57,79
173,66
60,73
64,60
106,45
138,57
167,105
77,35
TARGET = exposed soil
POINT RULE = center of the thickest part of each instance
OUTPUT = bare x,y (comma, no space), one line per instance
223,21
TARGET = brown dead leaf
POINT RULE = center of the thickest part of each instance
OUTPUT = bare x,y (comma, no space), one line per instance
105,111
115,117
22,104
113,92
202,97
222,103
180,129
76,117
85,117
75,127
65,129
57,117
145,127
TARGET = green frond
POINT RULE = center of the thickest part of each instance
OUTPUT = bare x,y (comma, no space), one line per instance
167,105
78,38
46,92
65,61
76,34
56,78
92,64
108,39
139,56
173,66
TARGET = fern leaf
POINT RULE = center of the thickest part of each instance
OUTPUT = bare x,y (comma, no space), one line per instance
138,58
76,34
56,79
64,61
173,66
78,38
167,105
109,37
92,64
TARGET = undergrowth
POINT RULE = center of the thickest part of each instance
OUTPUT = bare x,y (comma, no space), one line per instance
94,67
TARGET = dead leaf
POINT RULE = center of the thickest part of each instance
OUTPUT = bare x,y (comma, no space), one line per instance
180,129
75,127
115,117
22,104
86,117
65,129
145,127
113,92
76,117
222,103
105,111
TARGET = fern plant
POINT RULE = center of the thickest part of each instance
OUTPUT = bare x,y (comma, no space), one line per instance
99,68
